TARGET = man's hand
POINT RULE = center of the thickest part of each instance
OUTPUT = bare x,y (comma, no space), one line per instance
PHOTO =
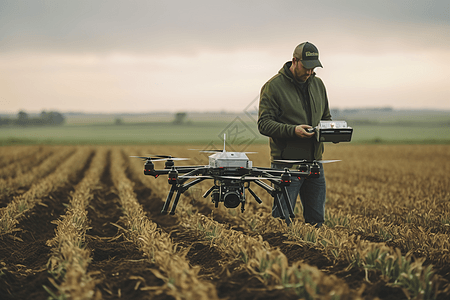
301,132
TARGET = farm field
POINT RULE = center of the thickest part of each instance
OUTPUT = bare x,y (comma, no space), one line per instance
203,132
83,222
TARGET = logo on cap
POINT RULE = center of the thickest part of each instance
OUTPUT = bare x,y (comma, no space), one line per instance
311,53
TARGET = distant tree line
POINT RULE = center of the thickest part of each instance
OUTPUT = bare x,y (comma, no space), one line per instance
337,112
24,119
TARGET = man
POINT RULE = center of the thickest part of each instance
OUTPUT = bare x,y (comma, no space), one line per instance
291,102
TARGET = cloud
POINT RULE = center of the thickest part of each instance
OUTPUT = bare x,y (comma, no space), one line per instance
111,55
190,26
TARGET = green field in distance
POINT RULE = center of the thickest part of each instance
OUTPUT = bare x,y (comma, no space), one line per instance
205,132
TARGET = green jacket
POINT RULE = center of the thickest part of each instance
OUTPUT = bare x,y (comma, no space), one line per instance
282,108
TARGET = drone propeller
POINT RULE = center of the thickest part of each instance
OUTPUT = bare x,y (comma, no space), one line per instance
175,158
160,158
207,151
328,161
217,151
170,157
149,158
288,161
248,178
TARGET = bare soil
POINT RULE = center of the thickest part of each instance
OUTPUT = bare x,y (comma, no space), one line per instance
116,262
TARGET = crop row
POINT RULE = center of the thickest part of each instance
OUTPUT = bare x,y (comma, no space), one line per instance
70,257
9,155
59,177
23,164
35,171
390,225
418,220
256,256
349,230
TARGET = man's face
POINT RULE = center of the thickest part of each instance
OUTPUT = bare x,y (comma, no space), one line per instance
299,71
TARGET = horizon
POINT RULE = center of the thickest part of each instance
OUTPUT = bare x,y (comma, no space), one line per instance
348,109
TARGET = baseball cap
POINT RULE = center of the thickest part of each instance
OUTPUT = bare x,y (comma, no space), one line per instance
308,54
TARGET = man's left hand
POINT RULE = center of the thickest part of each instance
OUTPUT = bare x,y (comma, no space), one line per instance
302,133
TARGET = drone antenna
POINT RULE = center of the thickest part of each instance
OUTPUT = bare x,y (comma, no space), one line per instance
224,139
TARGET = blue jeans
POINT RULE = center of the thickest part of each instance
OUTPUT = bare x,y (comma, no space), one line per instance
312,193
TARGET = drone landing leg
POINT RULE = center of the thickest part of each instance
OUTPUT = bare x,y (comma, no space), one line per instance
175,203
275,193
168,199
277,200
287,201
209,191
254,195
180,190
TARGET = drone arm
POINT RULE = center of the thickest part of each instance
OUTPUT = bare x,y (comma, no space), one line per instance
156,173
184,187
191,170
265,186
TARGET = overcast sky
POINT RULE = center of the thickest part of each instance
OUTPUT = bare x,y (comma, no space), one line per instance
205,55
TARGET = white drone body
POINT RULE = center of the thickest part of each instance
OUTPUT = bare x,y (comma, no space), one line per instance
229,160
226,159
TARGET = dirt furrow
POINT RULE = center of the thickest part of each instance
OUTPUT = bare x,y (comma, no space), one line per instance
10,154
117,265
24,253
26,163
17,186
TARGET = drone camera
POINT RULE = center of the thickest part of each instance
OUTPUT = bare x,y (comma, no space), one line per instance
231,196
231,200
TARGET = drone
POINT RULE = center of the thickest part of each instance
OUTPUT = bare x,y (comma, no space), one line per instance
232,174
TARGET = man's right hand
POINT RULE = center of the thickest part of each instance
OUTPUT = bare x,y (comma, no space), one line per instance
302,133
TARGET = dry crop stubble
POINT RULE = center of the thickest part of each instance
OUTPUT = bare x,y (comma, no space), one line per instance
23,253
36,170
258,260
60,175
375,185
70,258
394,199
25,162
